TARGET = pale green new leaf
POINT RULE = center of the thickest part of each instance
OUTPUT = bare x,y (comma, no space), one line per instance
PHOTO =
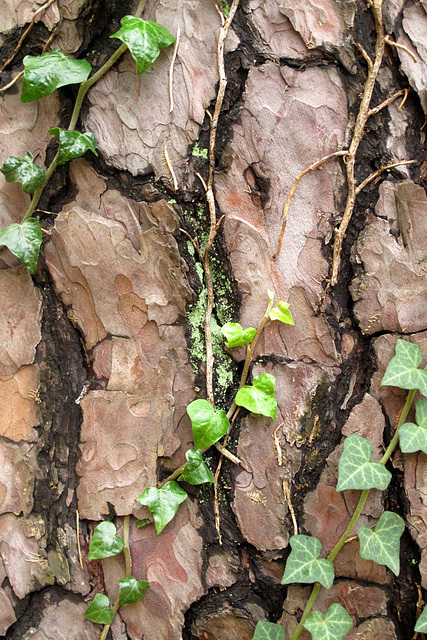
356,471
99,610
105,543
209,425
383,544
235,335
268,631
195,471
73,144
421,625
131,590
334,625
163,503
259,398
24,241
23,170
304,565
144,40
413,437
402,370
43,74
282,313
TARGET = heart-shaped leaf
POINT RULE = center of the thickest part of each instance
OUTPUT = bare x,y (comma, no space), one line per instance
332,626
99,610
131,590
304,565
24,241
282,313
413,437
355,471
23,170
43,74
259,398
208,424
421,625
268,631
144,40
402,370
163,503
235,335
383,544
73,144
195,471
105,543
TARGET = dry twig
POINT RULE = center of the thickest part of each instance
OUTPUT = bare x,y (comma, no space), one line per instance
287,495
175,50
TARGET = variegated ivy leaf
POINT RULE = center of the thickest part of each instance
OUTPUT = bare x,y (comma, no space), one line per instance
382,545
304,565
195,471
209,425
421,625
282,313
235,335
355,469
268,631
163,503
413,437
24,241
144,40
259,398
73,144
23,170
402,370
43,74
334,625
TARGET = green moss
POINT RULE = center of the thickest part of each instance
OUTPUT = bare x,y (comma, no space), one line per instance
198,152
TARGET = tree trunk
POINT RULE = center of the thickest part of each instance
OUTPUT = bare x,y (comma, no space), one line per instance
103,349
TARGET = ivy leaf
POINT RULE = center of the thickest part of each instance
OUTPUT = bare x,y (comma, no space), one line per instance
282,313
259,398
195,471
144,40
402,370
24,241
304,565
413,437
73,144
142,523
163,503
235,335
268,631
421,625
332,626
131,590
208,425
43,74
355,471
105,543
383,544
99,610
23,170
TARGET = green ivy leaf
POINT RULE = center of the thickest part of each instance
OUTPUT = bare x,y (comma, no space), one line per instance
163,503
402,370
282,313
144,40
131,590
105,543
332,626
208,425
99,610
43,74
413,437
421,625
355,471
142,523
235,335
304,565
195,471
23,170
24,241
73,144
383,544
268,631
259,398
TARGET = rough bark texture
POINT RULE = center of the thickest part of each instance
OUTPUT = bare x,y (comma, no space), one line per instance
102,350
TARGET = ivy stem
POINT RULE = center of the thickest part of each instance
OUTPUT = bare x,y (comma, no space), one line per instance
107,626
362,500
126,548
